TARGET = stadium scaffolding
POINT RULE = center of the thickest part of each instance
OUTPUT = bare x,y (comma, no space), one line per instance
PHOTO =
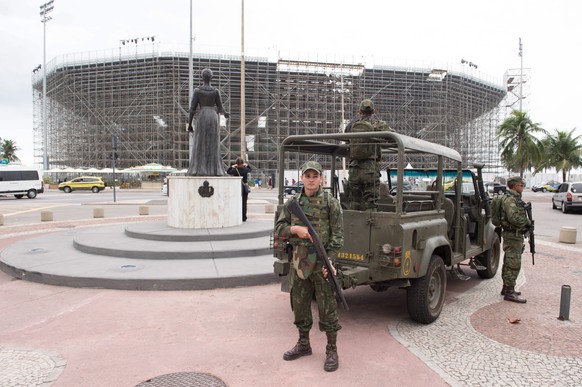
143,99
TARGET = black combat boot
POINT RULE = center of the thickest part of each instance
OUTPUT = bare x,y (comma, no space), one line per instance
331,359
302,348
504,290
511,295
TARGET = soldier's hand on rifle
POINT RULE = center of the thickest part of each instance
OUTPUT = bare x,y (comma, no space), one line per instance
301,232
324,271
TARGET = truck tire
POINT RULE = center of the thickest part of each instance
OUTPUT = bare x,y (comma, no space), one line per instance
31,194
490,259
426,295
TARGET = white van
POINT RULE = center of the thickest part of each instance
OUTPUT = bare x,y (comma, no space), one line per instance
19,180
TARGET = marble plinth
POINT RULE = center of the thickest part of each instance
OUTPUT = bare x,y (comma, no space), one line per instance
204,201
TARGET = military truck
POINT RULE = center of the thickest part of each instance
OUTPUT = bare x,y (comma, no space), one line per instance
438,221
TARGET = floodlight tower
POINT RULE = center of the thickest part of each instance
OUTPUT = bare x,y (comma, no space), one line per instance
520,76
44,10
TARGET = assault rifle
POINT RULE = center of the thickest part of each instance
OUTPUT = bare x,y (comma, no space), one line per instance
321,253
532,241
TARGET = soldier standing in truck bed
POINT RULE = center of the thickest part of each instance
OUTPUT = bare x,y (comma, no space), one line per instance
363,187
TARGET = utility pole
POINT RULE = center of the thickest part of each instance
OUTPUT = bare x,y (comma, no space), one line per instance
113,159
243,147
190,92
44,10
190,62
520,76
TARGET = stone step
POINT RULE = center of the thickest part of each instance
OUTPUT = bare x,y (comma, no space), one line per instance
52,259
113,242
160,231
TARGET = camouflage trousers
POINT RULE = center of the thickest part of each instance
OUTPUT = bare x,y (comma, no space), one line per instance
363,188
513,247
302,293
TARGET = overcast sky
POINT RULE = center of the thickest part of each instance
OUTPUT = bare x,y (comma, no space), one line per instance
422,32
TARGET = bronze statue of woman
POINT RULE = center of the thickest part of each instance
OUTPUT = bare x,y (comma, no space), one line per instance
205,157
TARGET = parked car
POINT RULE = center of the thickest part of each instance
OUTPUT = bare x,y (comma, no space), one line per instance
568,197
495,188
19,180
93,183
550,186
293,189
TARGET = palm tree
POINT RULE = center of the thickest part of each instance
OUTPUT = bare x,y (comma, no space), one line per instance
562,152
520,149
8,150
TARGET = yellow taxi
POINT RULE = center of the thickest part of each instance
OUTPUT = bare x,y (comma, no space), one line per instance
92,183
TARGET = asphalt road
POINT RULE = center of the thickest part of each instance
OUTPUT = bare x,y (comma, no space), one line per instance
549,221
80,205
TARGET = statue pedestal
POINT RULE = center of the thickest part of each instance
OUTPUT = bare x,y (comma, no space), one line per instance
204,201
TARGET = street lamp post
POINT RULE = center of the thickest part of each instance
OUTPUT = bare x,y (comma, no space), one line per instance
521,77
44,10
190,87
242,85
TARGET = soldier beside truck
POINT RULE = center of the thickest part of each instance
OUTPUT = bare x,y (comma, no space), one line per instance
414,236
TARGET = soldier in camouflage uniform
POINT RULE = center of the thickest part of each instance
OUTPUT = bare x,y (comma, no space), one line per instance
308,277
363,188
515,224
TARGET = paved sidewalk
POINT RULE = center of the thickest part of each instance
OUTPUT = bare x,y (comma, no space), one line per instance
63,336
29,367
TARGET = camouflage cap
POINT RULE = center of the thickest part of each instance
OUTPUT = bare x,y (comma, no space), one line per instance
515,179
367,106
311,165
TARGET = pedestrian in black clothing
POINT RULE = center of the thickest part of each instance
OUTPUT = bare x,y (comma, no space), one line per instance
243,170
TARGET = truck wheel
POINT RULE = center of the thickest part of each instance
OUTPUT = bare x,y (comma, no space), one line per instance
426,295
31,194
490,259
19,196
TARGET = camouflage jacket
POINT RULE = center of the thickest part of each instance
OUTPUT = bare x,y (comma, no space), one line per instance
363,149
514,218
376,123
325,214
